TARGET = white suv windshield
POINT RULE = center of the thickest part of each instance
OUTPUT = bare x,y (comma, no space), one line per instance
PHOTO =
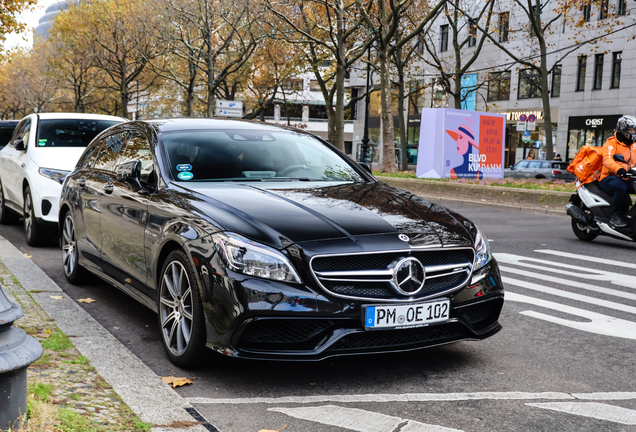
70,132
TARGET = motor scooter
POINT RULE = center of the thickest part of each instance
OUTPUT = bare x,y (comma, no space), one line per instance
591,210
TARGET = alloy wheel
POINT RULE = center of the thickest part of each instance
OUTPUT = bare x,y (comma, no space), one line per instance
28,215
69,249
175,308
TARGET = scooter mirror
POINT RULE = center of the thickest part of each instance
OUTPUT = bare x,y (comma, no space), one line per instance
619,158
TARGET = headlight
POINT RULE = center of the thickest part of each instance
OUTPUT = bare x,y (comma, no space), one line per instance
57,175
245,256
482,250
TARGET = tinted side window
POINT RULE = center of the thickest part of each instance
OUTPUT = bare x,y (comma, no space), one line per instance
109,152
91,157
560,166
22,131
138,148
522,164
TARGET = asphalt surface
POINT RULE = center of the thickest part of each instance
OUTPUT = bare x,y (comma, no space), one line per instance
563,361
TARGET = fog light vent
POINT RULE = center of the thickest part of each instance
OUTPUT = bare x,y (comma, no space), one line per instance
46,207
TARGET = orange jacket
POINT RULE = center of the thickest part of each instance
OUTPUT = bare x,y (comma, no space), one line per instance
614,146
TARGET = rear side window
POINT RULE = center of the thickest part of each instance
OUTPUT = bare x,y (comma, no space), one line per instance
535,164
545,164
70,132
561,166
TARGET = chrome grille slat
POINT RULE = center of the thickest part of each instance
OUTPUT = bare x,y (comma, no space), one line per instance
338,275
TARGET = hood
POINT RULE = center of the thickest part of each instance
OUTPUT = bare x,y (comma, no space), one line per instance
61,158
276,214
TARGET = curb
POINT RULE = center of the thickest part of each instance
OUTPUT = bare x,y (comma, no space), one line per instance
151,399
536,201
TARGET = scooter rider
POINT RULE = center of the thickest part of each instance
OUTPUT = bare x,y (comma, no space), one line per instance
614,179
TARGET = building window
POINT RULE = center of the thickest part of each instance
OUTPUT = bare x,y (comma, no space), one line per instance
314,86
556,81
603,9
498,86
598,71
443,38
587,10
529,84
292,84
472,33
621,7
580,74
504,19
616,70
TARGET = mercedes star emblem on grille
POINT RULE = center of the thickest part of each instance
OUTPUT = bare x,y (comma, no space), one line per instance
403,237
409,276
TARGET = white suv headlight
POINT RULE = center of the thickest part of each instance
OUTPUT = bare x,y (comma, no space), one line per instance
250,258
53,174
482,250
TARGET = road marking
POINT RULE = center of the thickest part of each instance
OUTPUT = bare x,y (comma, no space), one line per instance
587,258
598,324
417,397
569,282
581,272
359,420
593,410
569,295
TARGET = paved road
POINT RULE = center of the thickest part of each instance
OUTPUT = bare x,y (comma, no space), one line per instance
564,360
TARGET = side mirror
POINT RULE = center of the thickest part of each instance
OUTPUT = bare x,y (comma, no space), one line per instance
366,167
130,172
619,158
19,145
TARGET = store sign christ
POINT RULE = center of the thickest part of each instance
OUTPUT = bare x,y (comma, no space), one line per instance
594,122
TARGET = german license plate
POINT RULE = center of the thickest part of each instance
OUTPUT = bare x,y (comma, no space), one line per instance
404,316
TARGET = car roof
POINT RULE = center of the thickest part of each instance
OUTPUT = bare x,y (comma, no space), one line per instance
177,124
71,116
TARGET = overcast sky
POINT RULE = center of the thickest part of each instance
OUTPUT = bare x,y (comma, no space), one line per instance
31,19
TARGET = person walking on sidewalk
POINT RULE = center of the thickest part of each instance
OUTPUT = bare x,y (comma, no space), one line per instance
614,179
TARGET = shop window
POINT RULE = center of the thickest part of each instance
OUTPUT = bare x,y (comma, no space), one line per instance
621,7
587,10
498,86
580,74
472,33
504,20
598,71
529,84
616,69
604,7
443,38
556,81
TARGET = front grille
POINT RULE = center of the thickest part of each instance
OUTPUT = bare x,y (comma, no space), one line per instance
402,338
370,275
282,331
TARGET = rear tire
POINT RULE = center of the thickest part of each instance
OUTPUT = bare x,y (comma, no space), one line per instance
7,216
33,232
582,231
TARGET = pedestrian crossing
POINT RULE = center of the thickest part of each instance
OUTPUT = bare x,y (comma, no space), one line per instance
549,284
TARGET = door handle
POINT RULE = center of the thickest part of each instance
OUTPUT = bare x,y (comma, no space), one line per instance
81,182
108,188
23,165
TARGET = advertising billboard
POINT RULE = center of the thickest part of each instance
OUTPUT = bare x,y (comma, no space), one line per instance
461,144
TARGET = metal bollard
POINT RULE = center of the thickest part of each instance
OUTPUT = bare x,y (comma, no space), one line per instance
17,351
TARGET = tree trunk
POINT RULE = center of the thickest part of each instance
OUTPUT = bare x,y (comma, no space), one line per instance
545,98
338,126
331,124
402,122
124,98
388,133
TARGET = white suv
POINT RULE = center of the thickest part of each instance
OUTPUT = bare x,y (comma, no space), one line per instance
44,148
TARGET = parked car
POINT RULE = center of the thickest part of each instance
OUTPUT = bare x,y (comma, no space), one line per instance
540,169
6,130
43,149
264,242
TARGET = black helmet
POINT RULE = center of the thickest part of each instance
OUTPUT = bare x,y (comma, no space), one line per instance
626,126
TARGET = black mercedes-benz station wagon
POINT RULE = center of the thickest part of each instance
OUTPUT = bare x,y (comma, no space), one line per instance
268,243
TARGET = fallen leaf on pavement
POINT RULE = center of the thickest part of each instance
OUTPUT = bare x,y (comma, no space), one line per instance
86,300
28,256
47,331
176,381
272,430
57,297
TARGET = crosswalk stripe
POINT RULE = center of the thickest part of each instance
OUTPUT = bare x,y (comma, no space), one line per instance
594,410
569,282
587,258
598,323
569,295
581,272
359,420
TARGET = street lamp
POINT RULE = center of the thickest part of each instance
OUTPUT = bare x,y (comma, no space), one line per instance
365,135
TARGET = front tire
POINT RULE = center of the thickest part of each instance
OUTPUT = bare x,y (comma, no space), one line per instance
75,274
181,319
33,232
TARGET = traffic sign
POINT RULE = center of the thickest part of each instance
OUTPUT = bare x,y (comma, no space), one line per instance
523,117
237,105
220,112
521,126
532,117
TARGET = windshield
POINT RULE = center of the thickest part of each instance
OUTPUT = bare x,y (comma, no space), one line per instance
226,155
70,132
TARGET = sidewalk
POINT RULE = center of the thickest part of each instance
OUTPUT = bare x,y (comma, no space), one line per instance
86,379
